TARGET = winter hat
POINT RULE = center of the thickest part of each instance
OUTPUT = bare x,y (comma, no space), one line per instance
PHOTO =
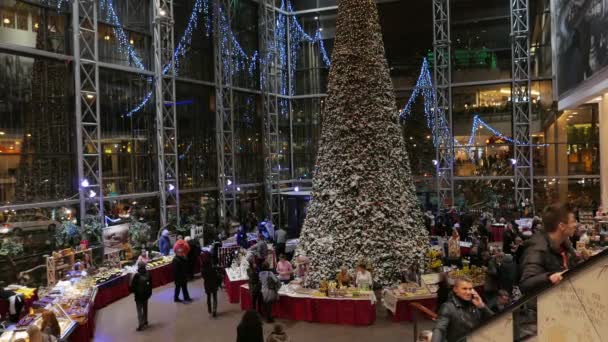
165,232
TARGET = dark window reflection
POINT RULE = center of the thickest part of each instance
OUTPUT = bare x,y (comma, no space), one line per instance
36,130
35,26
306,132
128,136
196,136
248,139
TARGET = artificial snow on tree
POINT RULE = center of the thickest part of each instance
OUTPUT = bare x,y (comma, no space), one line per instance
364,204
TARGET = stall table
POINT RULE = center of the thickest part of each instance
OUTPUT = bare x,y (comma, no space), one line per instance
497,230
111,291
400,309
161,275
232,283
344,311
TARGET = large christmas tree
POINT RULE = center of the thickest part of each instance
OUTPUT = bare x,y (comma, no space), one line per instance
364,204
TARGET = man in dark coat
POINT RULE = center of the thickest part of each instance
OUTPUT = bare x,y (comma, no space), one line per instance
462,313
194,254
141,286
180,273
549,253
212,283
507,274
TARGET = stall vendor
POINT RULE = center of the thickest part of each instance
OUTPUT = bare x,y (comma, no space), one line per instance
412,275
302,267
363,279
343,279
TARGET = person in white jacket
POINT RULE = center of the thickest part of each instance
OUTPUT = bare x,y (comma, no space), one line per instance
363,279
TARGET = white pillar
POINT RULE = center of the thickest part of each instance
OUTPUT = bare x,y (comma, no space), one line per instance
603,120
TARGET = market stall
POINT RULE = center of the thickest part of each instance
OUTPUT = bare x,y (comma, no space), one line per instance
350,307
397,300
233,279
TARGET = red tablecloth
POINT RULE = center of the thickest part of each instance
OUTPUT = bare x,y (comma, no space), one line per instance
112,291
405,312
319,310
233,288
497,232
5,306
162,275
84,332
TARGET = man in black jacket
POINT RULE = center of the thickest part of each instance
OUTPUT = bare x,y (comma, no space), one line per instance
180,273
141,286
463,311
549,253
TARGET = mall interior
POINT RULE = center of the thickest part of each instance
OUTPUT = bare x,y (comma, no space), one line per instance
203,118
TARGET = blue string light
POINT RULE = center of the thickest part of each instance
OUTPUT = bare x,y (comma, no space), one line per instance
424,86
124,43
180,51
183,155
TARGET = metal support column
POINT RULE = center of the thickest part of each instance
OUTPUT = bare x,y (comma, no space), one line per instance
520,50
270,75
166,122
442,127
88,130
224,111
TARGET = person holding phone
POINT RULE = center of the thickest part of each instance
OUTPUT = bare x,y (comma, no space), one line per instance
463,312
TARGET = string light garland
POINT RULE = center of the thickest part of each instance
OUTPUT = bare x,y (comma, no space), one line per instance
124,43
180,51
424,87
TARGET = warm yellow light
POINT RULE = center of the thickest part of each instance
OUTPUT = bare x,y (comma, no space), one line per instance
1,133
36,25
7,21
29,135
131,42
106,37
90,96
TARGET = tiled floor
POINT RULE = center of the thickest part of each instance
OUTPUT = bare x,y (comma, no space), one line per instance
190,322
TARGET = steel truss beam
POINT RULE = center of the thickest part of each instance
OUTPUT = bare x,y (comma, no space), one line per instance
442,127
522,110
224,111
88,130
270,82
166,122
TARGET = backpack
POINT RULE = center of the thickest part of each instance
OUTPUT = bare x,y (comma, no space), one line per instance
270,292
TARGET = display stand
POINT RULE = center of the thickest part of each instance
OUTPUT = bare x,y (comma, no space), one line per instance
61,262
111,257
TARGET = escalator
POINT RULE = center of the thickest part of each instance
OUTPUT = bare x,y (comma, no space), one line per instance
575,310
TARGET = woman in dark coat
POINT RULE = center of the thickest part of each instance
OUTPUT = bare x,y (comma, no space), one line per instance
255,286
250,328
212,283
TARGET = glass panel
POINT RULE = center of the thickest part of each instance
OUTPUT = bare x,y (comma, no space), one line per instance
36,130
32,26
128,137
197,62
196,136
311,69
248,139
244,26
306,133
